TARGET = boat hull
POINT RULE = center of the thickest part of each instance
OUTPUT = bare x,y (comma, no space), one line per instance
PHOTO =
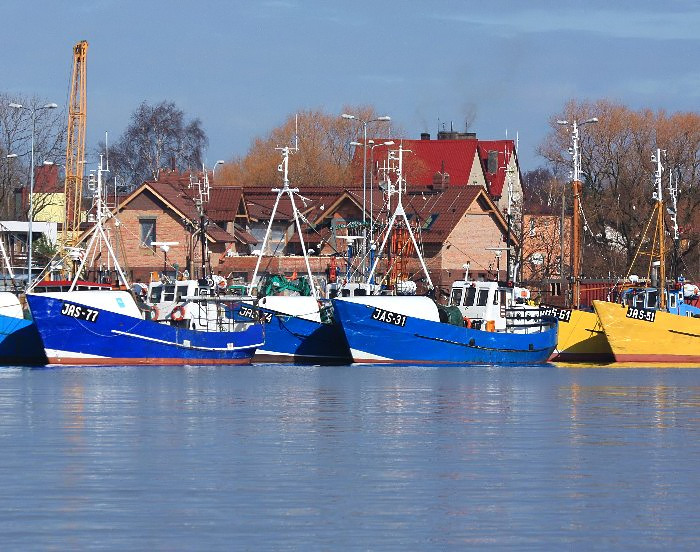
20,343
669,338
295,339
115,339
421,341
582,339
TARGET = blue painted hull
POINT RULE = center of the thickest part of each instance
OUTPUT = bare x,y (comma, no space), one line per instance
294,339
426,342
20,343
118,339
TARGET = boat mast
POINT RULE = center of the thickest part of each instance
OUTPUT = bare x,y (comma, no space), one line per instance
673,210
284,169
102,214
658,196
399,212
576,218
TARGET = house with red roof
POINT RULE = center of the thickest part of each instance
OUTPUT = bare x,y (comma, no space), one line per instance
165,211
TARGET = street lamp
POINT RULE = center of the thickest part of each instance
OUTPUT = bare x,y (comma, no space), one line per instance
364,123
30,215
575,222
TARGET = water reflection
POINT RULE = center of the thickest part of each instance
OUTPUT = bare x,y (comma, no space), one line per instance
348,457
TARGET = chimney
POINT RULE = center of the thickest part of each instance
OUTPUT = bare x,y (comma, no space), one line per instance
425,136
441,180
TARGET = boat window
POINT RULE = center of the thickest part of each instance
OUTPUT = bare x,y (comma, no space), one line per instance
169,294
672,301
503,297
495,297
469,299
638,300
652,296
360,291
181,292
483,298
456,297
346,292
156,292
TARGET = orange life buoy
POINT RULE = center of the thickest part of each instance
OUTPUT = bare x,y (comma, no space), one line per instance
467,322
178,313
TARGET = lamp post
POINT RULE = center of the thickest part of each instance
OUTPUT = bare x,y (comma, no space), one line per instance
30,215
364,171
576,220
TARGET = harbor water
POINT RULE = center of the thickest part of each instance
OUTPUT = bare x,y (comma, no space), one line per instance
274,457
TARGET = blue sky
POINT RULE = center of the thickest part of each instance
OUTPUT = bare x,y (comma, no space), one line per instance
243,67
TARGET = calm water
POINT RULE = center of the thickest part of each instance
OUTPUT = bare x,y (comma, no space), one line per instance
336,458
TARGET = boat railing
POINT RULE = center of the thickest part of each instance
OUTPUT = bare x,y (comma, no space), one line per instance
530,318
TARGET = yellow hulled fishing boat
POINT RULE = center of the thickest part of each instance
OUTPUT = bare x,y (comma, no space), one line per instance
646,335
581,339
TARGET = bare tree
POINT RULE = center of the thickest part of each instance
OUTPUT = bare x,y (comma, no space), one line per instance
15,139
618,177
157,137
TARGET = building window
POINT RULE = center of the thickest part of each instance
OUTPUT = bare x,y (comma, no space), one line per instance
148,231
532,227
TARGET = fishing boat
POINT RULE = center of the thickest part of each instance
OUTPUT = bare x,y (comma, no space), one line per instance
483,325
179,322
654,323
639,331
299,327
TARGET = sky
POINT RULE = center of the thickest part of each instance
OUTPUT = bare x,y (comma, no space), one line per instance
244,67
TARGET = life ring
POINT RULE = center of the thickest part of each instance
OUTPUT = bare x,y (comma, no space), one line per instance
467,322
221,284
155,312
178,313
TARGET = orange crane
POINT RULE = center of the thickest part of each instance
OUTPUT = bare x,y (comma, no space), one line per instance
75,147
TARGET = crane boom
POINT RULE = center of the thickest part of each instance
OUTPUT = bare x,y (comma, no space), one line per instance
75,147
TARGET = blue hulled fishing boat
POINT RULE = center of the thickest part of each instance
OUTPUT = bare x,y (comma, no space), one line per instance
414,329
486,323
109,327
173,321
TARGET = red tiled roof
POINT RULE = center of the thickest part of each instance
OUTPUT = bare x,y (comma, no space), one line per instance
224,202
426,157
505,148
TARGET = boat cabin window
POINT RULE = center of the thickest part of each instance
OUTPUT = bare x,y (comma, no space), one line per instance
345,292
482,298
181,292
360,291
672,301
638,300
156,292
469,298
652,296
456,297
495,297
502,293
169,293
